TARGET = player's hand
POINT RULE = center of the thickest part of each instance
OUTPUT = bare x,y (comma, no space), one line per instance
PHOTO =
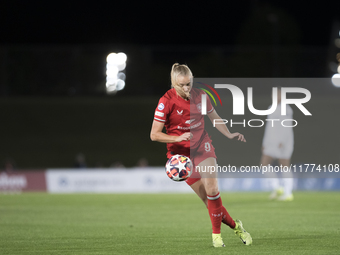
237,136
184,137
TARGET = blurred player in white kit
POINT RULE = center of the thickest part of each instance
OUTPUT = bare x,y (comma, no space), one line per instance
278,144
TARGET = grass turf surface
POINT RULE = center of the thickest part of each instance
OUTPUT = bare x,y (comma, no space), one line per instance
39,223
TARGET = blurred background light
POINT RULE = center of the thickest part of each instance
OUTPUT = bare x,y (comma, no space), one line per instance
111,58
121,66
115,77
121,58
111,88
121,76
336,80
111,71
120,84
111,81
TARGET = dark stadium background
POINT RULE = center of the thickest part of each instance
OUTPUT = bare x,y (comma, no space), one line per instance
52,70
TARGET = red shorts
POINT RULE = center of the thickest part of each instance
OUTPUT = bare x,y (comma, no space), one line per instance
203,151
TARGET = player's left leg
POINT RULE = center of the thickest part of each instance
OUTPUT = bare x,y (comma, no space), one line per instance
214,200
199,189
205,162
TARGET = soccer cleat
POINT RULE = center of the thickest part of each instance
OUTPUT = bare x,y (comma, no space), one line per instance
286,198
276,193
217,240
242,233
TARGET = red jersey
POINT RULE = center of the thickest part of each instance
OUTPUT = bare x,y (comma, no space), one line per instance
180,116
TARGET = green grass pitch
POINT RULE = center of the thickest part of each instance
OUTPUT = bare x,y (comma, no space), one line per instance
39,223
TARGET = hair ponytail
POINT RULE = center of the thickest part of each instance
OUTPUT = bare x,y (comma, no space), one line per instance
177,70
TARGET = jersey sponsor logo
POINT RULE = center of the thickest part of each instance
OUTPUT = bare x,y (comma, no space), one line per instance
161,106
191,127
179,112
189,121
160,114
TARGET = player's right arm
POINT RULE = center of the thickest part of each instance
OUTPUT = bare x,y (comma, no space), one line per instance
161,115
158,135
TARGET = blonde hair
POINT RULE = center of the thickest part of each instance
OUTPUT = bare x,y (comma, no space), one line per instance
177,70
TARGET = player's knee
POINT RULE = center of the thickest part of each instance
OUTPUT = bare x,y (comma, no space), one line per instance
212,191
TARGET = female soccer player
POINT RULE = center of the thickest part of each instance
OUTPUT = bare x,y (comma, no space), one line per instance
179,110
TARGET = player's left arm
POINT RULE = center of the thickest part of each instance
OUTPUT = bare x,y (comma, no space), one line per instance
223,128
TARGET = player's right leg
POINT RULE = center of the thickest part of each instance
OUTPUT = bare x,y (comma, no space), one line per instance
277,190
288,181
199,189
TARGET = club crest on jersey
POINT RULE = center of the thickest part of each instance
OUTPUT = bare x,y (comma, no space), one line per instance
179,112
199,107
161,106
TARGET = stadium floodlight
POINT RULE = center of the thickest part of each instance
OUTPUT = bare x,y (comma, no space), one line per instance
111,71
116,59
120,84
111,58
121,58
111,80
336,80
115,77
111,87
121,66
121,76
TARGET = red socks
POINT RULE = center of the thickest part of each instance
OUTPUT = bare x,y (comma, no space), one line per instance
218,214
215,212
226,219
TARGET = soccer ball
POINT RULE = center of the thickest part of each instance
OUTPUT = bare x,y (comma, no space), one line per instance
178,168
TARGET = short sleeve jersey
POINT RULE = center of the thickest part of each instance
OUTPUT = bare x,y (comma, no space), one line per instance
180,116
